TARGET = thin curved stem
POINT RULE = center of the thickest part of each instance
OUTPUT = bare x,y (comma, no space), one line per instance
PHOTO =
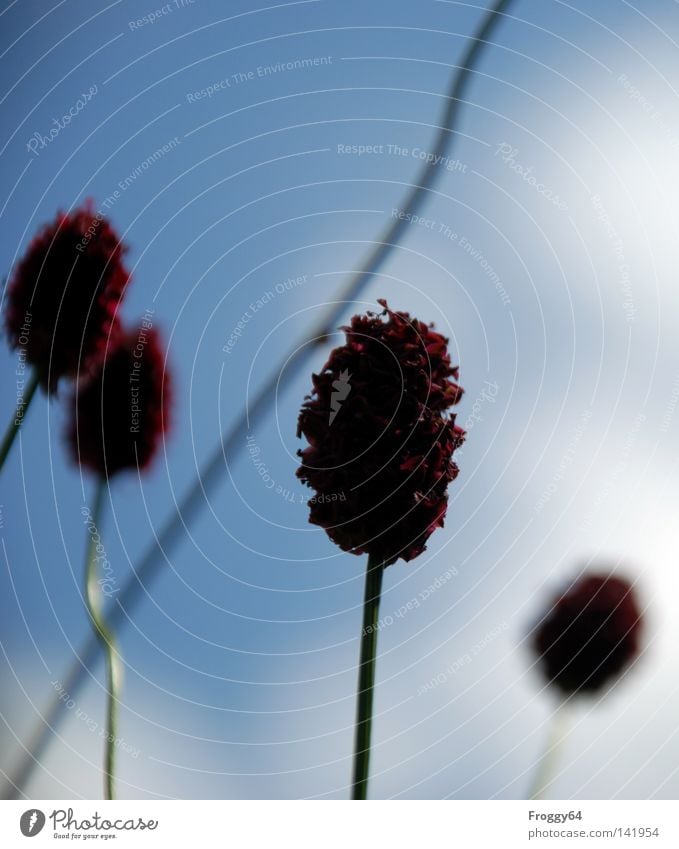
19,413
546,769
94,603
366,677
211,471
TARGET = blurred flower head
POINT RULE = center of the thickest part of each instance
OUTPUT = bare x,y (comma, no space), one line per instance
589,634
63,295
381,441
121,411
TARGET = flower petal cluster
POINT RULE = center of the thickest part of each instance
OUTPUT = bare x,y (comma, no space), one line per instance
121,411
64,295
381,439
590,634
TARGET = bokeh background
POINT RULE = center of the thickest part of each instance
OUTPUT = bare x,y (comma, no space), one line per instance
561,305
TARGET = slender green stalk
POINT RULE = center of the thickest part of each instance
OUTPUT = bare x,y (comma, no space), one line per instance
94,602
546,769
366,677
18,417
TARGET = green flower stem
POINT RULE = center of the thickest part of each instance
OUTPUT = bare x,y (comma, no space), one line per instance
546,769
18,417
94,602
366,677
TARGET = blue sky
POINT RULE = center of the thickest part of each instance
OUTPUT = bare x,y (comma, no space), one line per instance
240,661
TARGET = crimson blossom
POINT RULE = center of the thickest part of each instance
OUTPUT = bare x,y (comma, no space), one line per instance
121,412
590,634
63,296
381,439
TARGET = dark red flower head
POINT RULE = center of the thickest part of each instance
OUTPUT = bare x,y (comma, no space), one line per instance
380,440
120,412
590,634
62,297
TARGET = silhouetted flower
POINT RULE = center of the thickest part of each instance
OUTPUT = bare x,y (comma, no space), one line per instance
590,634
380,440
120,413
63,295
